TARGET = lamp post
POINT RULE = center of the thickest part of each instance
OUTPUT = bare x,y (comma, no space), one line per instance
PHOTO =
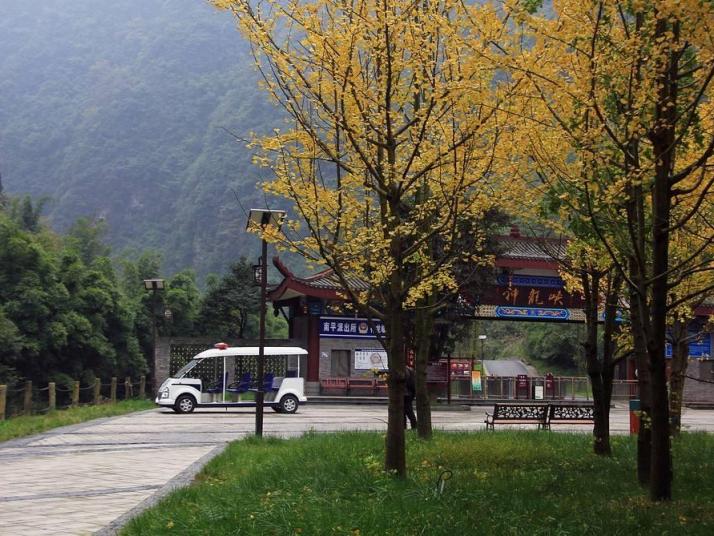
154,286
258,221
482,338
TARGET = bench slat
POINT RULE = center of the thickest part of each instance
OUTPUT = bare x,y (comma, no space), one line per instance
334,384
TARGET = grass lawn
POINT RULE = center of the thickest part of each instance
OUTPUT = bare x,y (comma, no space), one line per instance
516,482
34,424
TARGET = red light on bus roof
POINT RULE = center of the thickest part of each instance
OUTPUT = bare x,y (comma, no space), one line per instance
220,345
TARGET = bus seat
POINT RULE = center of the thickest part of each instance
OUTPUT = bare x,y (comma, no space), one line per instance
241,386
217,386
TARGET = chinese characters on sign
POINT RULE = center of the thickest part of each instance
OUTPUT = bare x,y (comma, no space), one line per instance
349,328
534,297
531,291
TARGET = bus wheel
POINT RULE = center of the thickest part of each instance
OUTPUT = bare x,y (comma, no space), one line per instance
185,404
288,404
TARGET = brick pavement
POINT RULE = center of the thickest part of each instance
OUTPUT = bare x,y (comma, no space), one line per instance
94,476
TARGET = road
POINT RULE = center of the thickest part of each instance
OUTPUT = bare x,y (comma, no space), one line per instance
94,476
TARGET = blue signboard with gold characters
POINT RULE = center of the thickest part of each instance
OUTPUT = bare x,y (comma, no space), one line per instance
350,328
532,313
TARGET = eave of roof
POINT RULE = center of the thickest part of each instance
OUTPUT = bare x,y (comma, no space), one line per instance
316,286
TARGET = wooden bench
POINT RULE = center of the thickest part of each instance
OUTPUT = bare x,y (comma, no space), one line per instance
517,414
364,385
570,414
334,385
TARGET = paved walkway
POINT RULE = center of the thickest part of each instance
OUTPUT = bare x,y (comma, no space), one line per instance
91,477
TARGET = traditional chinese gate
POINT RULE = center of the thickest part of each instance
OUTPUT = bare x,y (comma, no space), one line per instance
526,287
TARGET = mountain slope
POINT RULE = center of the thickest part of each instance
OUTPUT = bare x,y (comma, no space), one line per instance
117,110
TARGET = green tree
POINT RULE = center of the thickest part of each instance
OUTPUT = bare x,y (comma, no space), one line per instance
27,213
60,317
87,238
145,306
229,304
552,345
183,299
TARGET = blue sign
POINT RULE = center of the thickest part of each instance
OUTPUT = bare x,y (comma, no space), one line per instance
349,328
699,347
314,307
532,313
506,280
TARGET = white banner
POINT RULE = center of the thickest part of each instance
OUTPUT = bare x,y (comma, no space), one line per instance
371,358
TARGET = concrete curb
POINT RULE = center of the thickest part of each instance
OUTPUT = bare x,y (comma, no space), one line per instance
181,480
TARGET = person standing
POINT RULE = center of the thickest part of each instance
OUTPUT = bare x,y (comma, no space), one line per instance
409,394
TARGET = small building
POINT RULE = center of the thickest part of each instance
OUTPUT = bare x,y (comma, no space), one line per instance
338,344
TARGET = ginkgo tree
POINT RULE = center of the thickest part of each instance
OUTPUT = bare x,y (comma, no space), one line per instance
622,96
395,138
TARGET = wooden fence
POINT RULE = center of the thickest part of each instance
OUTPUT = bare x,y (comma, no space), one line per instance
26,399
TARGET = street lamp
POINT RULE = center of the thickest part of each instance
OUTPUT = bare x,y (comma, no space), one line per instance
258,221
154,286
482,338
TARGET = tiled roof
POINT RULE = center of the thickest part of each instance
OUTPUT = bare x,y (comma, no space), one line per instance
506,367
542,249
328,280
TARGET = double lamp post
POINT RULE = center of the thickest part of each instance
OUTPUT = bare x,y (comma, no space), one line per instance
259,220
155,286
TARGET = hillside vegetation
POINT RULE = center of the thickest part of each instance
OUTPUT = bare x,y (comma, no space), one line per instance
118,111
67,313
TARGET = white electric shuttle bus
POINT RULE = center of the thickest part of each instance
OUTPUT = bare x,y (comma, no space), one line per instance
221,376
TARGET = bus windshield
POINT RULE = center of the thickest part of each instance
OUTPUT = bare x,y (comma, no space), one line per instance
186,368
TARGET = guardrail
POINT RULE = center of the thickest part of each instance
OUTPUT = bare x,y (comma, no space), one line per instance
535,387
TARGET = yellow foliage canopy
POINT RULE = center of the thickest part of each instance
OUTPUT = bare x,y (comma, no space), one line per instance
397,140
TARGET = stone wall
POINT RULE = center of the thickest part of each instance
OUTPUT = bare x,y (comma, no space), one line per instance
329,344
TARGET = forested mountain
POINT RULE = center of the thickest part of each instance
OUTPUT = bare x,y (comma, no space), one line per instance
117,110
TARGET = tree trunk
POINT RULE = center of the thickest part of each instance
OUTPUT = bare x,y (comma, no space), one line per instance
608,363
663,144
679,362
601,414
395,459
644,438
608,374
591,286
424,327
661,462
